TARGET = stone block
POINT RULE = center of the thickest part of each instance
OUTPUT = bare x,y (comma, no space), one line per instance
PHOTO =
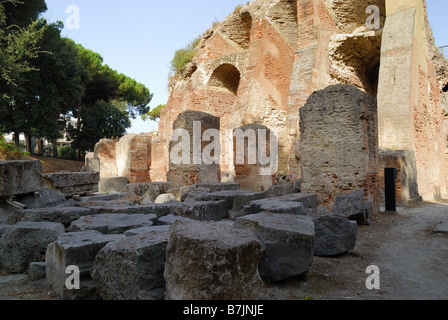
72,183
132,268
352,206
19,177
113,184
145,230
112,223
278,206
75,249
212,261
26,242
201,210
36,271
63,215
334,235
170,219
288,242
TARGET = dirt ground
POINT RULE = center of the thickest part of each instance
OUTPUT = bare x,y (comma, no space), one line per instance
411,257
51,165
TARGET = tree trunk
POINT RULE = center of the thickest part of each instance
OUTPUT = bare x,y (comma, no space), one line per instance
28,144
17,139
54,146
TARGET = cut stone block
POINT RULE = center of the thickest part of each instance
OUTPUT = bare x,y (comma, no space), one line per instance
113,184
278,206
170,219
201,210
112,223
72,183
288,242
63,215
352,206
212,261
235,199
75,249
132,268
26,242
334,235
36,271
19,177
145,230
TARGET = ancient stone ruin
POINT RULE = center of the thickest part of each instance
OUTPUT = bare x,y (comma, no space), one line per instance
270,152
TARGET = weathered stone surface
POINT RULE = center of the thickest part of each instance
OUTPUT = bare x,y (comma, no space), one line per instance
352,206
112,223
220,186
170,219
75,249
148,192
19,177
212,261
288,242
235,199
26,242
309,200
280,190
194,124
165,198
278,206
45,198
343,156
105,152
157,209
442,227
334,235
145,230
72,183
63,215
133,157
201,210
36,271
132,268
113,184
92,164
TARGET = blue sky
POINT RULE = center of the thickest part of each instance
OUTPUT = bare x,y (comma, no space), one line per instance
139,37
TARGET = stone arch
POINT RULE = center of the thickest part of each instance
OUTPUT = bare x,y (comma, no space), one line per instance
226,77
248,165
188,136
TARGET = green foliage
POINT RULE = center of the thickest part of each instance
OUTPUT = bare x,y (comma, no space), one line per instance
105,119
67,153
154,114
8,151
184,56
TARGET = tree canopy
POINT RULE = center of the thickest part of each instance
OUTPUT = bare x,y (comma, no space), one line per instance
47,79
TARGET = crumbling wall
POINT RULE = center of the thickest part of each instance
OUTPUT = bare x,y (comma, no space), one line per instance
189,145
339,144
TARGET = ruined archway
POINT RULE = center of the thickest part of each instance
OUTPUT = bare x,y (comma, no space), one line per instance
226,77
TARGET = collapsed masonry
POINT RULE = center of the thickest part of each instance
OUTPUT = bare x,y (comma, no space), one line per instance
209,241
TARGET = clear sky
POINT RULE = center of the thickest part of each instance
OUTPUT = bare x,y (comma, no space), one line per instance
139,37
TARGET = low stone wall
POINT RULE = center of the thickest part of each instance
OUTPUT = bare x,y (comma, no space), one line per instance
72,183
